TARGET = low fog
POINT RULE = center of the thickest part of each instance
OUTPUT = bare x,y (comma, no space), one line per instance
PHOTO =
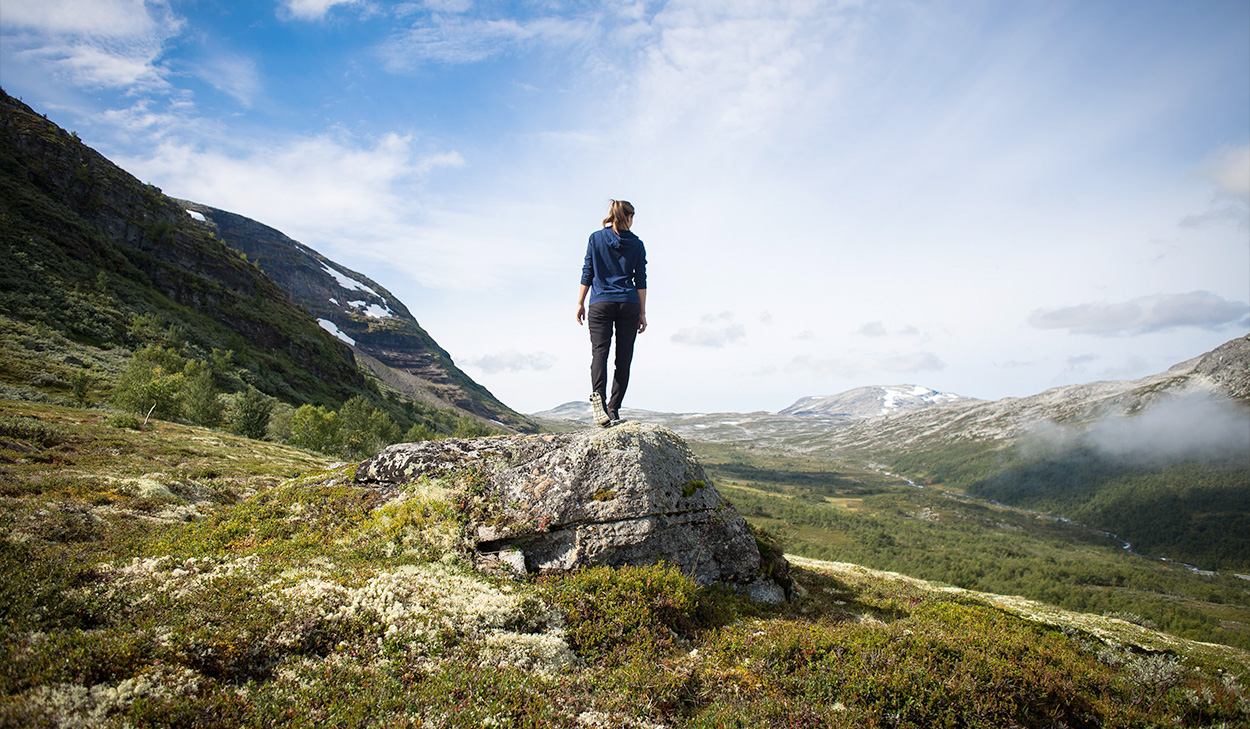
1170,429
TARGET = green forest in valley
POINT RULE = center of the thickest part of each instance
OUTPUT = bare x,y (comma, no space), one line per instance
842,510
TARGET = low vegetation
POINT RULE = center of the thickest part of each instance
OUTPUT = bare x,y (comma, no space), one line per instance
839,510
1195,510
184,577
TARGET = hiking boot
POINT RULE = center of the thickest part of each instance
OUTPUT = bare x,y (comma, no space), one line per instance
596,409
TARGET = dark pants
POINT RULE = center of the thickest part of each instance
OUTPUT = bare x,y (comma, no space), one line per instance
601,319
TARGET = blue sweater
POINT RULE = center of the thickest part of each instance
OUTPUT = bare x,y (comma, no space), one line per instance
615,267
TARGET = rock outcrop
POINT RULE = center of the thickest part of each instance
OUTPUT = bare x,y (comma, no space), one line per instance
629,495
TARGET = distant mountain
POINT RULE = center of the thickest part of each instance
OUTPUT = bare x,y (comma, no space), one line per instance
867,402
1222,373
927,418
361,313
1163,461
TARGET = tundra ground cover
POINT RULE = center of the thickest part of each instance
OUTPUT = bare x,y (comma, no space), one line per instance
940,534
176,576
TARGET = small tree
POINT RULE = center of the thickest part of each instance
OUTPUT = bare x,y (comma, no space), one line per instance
467,427
420,431
251,414
363,429
315,428
279,430
80,390
201,404
151,383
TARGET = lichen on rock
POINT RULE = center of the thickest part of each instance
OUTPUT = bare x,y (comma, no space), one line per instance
632,494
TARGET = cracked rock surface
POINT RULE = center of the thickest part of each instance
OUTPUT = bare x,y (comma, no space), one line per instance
631,494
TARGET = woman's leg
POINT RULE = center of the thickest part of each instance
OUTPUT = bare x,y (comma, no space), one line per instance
599,322
626,322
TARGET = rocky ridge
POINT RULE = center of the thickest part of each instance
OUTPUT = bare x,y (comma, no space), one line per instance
1223,373
633,494
361,313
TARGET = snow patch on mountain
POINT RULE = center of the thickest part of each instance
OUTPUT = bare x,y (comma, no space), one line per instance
329,326
374,310
346,281
868,402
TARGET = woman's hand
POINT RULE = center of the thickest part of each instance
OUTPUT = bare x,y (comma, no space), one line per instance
581,303
642,323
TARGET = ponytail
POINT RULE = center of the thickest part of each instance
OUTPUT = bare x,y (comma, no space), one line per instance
620,215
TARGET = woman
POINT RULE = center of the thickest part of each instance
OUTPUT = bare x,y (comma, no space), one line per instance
615,275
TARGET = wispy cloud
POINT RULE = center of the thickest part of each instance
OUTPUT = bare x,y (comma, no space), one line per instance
1228,170
713,330
512,361
460,40
873,329
313,9
234,75
94,43
1146,314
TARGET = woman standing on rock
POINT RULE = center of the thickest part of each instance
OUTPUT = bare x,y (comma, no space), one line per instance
615,276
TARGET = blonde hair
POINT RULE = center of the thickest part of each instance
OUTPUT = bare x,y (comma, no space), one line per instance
620,215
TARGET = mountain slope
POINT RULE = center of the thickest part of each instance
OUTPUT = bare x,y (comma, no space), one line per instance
362,313
88,251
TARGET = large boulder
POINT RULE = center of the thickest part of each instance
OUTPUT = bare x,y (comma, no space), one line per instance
629,495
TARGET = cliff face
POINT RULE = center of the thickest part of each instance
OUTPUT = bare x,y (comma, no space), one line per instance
89,247
362,313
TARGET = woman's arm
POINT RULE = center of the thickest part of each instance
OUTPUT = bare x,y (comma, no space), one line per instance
642,310
581,303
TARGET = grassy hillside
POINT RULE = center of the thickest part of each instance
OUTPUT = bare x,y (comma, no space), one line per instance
842,510
87,250
95,265
179,577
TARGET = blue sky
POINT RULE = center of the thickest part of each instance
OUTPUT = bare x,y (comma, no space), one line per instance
988,198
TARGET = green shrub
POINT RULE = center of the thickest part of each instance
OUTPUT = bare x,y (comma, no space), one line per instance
152,383
35,431
279,429
80,389
363,429
616,614
201,403
315,428
467,427
251,414
419,432
125,420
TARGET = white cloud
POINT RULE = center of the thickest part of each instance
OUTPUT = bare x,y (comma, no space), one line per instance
873,329
94,18
94,43
448,6
512,361
313,9
1228,170
1155,313
329,191
455,40
869,364
234,75
733,69
713,330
